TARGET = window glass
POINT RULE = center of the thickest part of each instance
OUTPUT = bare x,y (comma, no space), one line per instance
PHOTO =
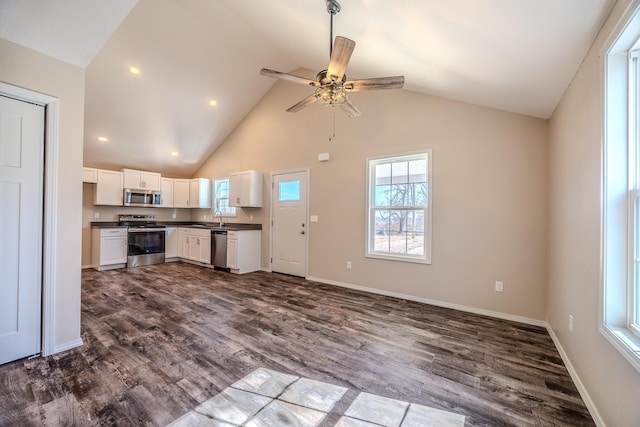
221,198
289,191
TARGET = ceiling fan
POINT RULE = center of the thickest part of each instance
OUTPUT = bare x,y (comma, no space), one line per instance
331,85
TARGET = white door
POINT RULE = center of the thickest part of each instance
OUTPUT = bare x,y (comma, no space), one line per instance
289,227
21,204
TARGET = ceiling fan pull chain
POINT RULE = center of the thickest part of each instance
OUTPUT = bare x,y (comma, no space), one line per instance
332,117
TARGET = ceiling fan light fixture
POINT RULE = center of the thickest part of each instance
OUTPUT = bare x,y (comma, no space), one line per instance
331,95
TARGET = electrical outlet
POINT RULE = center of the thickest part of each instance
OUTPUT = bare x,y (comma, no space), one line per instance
571,323
499,286
96,215
348,265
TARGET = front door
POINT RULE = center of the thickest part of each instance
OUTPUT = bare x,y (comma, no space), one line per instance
21,213
289,229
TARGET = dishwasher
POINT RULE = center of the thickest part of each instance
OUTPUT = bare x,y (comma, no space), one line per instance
219,248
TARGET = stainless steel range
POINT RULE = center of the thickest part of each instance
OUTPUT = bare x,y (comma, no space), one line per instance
145,240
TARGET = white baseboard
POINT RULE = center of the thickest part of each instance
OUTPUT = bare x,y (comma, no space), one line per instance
437,303
68,346
576,380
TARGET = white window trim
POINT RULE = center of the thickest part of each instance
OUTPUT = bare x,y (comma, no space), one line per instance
420,259
617,268
215,202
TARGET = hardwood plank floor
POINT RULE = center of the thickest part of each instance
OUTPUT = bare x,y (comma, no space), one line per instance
160,340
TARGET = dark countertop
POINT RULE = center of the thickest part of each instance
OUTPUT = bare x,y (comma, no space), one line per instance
231,226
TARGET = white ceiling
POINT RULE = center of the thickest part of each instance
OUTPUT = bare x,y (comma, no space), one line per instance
513,55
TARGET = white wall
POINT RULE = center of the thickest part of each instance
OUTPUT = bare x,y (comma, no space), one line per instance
489,192
575,155
31,70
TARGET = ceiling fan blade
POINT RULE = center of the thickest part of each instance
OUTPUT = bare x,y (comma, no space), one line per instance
289,77
340,55
300,105
377,83
349,108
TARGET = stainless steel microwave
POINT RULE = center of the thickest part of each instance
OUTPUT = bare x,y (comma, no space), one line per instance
142,198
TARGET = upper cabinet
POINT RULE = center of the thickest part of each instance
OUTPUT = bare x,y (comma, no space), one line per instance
141,180
108,188
192,193
200,193
245,189
166,193
90,175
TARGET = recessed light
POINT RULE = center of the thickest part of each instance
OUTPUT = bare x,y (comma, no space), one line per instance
103,139
134,70
213,102
175,154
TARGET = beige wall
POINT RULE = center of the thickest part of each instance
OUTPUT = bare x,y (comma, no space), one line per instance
575,144
28,69
489,192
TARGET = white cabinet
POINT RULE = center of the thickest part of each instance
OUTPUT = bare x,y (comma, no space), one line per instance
200,193
166,191
109,248
90,175
195,244
141,180
245,189
181,193
108,188
192,193
243,251
171,243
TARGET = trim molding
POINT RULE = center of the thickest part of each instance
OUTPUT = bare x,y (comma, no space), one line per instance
68,346
437,303
576,380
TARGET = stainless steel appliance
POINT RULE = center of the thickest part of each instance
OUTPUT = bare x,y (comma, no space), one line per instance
142,198
219,248
145,240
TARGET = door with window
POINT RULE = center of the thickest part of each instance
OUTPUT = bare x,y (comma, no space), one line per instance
21,204
289,228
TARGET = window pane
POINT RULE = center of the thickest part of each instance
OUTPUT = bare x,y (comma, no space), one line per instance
418,171
383,174
398,238
419,194
381,231
383,195
399,195
289,191
399,172
415,232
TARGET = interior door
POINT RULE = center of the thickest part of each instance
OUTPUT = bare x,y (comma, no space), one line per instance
21,205
289,227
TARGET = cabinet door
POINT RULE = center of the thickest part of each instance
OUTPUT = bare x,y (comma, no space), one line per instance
193,248
133,179
166,190
180,193
205,250
108,188
113,250
90,175
171,242
235,189
232,253
183,243
200,193
151,181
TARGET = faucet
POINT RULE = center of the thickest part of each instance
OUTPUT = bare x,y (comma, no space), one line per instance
219,213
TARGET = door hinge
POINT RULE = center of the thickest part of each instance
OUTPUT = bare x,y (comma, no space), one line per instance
273,184
271,261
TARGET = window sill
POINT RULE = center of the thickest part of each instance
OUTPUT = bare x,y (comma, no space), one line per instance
625,341
401,258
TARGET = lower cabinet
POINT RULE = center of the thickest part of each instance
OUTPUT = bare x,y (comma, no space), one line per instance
171,243
243,251
194,244
108,248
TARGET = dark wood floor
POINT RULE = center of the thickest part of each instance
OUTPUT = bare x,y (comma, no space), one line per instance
161,339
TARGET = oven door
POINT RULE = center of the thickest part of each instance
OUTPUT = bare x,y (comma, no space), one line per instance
145,246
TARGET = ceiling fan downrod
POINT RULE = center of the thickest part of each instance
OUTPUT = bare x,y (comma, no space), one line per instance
333,7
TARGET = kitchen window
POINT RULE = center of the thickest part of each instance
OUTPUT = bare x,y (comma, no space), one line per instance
399,207
620,316
221,198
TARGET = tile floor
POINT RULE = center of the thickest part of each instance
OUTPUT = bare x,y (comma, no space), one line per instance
267,398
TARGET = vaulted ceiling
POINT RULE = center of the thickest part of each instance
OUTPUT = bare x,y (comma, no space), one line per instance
513,55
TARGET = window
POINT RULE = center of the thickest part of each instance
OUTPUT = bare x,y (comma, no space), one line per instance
620,316
289,191
221,198
399,208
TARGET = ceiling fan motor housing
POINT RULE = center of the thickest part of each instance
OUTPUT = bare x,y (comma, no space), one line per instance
333,7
